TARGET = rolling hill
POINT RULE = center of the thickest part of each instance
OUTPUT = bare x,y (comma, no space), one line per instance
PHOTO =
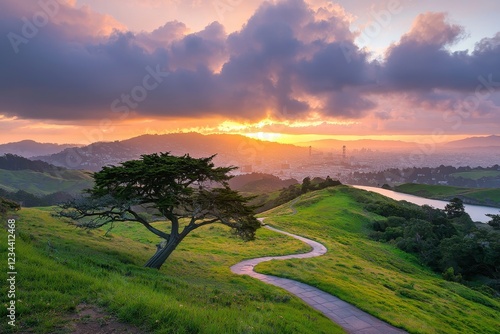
335,144
230,149
40,178
31,148
398,145
69,181
376,277
257,183
489,141
64,268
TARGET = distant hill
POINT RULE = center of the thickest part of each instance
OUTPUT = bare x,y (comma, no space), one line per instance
336,145
30,148
234,150
490,141
16,162
40,178
259,183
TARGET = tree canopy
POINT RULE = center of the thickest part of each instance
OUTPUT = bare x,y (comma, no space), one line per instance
7,205
450,244
495,221
187,192
455,208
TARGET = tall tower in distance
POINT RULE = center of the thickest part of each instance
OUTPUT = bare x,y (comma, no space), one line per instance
344,148
310,150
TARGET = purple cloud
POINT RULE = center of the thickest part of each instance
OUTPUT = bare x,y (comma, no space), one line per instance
286,57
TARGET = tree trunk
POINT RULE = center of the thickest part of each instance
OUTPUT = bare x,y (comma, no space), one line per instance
163,253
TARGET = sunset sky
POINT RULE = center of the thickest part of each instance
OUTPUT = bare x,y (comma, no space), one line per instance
81,71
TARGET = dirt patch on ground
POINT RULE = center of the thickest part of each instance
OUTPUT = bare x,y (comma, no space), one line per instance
92,319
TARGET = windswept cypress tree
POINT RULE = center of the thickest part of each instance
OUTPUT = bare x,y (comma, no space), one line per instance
186,192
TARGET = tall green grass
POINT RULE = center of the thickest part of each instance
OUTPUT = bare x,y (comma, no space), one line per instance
60,267
376,277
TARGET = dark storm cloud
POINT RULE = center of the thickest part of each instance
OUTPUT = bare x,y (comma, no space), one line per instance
283,58
340,81
245,75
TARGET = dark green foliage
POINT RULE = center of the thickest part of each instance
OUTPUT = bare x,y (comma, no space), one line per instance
15,162
402,209
455,208
27,199
7,205
446,240
329,182
306,185
495,221
449,275
265,202
259,183
317,184
187,192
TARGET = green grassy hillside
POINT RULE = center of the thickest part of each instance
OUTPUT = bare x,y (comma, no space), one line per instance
376,277
490,197
476,175
38,183
60,267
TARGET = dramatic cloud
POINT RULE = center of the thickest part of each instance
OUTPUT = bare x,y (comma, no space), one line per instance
421,61
439,89
432,29
250,74
290,60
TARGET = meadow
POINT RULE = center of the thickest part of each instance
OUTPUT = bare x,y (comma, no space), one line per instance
376,277
61,267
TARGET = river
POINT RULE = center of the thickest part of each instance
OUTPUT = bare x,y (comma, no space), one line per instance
476,212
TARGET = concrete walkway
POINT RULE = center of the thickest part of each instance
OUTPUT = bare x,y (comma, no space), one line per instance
352,319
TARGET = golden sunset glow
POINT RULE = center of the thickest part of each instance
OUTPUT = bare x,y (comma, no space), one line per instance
131,76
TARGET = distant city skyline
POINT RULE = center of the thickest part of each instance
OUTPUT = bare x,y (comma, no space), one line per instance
82,71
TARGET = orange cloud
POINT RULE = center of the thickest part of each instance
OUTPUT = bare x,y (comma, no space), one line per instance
433,28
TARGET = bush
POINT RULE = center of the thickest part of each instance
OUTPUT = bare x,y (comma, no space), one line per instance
449,275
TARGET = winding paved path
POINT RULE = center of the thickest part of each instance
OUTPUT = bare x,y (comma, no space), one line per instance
352,319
